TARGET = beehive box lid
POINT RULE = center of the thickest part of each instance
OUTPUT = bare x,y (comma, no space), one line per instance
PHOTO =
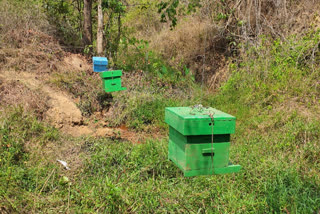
197,121
110,74
100,60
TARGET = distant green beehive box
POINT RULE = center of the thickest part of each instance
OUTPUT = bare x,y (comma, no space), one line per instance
195,146
111,80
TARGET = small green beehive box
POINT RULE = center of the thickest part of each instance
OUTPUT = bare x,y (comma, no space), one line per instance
111,80
199,140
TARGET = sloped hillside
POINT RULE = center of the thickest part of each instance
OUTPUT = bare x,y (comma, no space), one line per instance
264,71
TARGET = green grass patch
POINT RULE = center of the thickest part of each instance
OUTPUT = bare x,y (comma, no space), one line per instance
139,178
22,172
274,95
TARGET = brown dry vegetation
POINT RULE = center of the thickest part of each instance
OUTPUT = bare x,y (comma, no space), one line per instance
14,93
203,41
199,41
18,21
33,67
277,134
57,86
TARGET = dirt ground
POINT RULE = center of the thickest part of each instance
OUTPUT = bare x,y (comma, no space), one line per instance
62,111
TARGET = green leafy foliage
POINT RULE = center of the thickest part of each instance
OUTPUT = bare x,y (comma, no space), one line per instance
114,5
273,92
170,9
275,74
141,58
67,16
114,31
277,146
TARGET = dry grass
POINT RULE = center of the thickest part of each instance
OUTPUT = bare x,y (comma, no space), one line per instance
28,48
32,51
197,44
14,93
204,43
17,19
25,41
185,43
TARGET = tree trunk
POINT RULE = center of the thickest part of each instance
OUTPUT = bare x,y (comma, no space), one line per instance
100,30
87,23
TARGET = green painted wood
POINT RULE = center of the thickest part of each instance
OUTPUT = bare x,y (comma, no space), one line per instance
192,150
214,171
111,85
111,81
192,156
229,169
177,136
116,82
191,139
219,168
177,155
109,74
196,159
190,122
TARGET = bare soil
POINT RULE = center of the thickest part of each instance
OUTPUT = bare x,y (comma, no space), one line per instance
61,109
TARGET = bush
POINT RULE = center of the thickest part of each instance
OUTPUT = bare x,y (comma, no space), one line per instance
274,72
19,19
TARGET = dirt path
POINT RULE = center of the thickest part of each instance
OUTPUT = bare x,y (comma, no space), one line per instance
63,112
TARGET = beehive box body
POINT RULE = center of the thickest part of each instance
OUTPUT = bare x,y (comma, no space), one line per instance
100,64
190,140
111,80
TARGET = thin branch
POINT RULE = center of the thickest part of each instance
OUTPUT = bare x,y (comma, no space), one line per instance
45,183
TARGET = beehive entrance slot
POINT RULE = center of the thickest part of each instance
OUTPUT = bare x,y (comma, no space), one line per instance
208,154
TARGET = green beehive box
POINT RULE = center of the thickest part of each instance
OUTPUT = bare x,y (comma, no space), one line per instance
111,80
190,140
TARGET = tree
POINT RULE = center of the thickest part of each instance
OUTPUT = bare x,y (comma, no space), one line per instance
87,23
100,29
169,9
113,29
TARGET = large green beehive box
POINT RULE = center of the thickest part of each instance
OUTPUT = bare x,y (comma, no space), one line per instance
199,140
111,80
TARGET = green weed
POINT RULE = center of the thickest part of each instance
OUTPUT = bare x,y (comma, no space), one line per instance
22,173
139,178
